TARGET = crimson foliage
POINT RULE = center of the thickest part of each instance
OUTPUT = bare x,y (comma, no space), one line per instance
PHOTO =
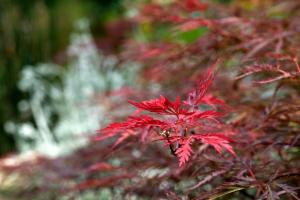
260,126
186,122
234,135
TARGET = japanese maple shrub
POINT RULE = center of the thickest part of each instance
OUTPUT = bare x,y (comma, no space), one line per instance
179,124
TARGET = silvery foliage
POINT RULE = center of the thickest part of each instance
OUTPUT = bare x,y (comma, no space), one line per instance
64,101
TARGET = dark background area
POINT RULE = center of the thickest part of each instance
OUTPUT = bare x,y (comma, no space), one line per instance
35,31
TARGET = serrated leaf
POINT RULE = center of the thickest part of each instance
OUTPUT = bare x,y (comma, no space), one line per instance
184,152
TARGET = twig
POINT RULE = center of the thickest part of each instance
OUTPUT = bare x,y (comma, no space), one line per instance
208,178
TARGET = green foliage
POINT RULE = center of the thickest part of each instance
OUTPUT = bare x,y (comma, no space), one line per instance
191,36
224,1
149,33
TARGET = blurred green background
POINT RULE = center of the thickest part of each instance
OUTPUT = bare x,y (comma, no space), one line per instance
35,31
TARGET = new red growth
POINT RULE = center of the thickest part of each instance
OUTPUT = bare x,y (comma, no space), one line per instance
180,123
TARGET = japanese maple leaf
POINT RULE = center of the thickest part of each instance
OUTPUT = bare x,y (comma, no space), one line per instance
196,96
199,118
213,101
209,114
132,122
218,141
124,135
184,151
162,105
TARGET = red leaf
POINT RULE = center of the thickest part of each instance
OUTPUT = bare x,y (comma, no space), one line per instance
212,101
196,96
184,152
124,135
218,141
161,105
209,114
132,122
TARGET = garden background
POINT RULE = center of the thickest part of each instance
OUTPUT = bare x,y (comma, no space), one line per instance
223,76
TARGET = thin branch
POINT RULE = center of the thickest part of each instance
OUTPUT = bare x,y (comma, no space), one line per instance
208,178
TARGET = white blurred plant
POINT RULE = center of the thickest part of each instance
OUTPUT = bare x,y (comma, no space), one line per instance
62,99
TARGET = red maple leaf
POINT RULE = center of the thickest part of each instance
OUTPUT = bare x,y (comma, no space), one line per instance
209,114
124,135
184,151
132,122
218,141
213,101
196,96
162,105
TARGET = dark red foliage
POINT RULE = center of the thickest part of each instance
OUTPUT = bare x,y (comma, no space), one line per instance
104,182
234,136
162,106
259,129
194,5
